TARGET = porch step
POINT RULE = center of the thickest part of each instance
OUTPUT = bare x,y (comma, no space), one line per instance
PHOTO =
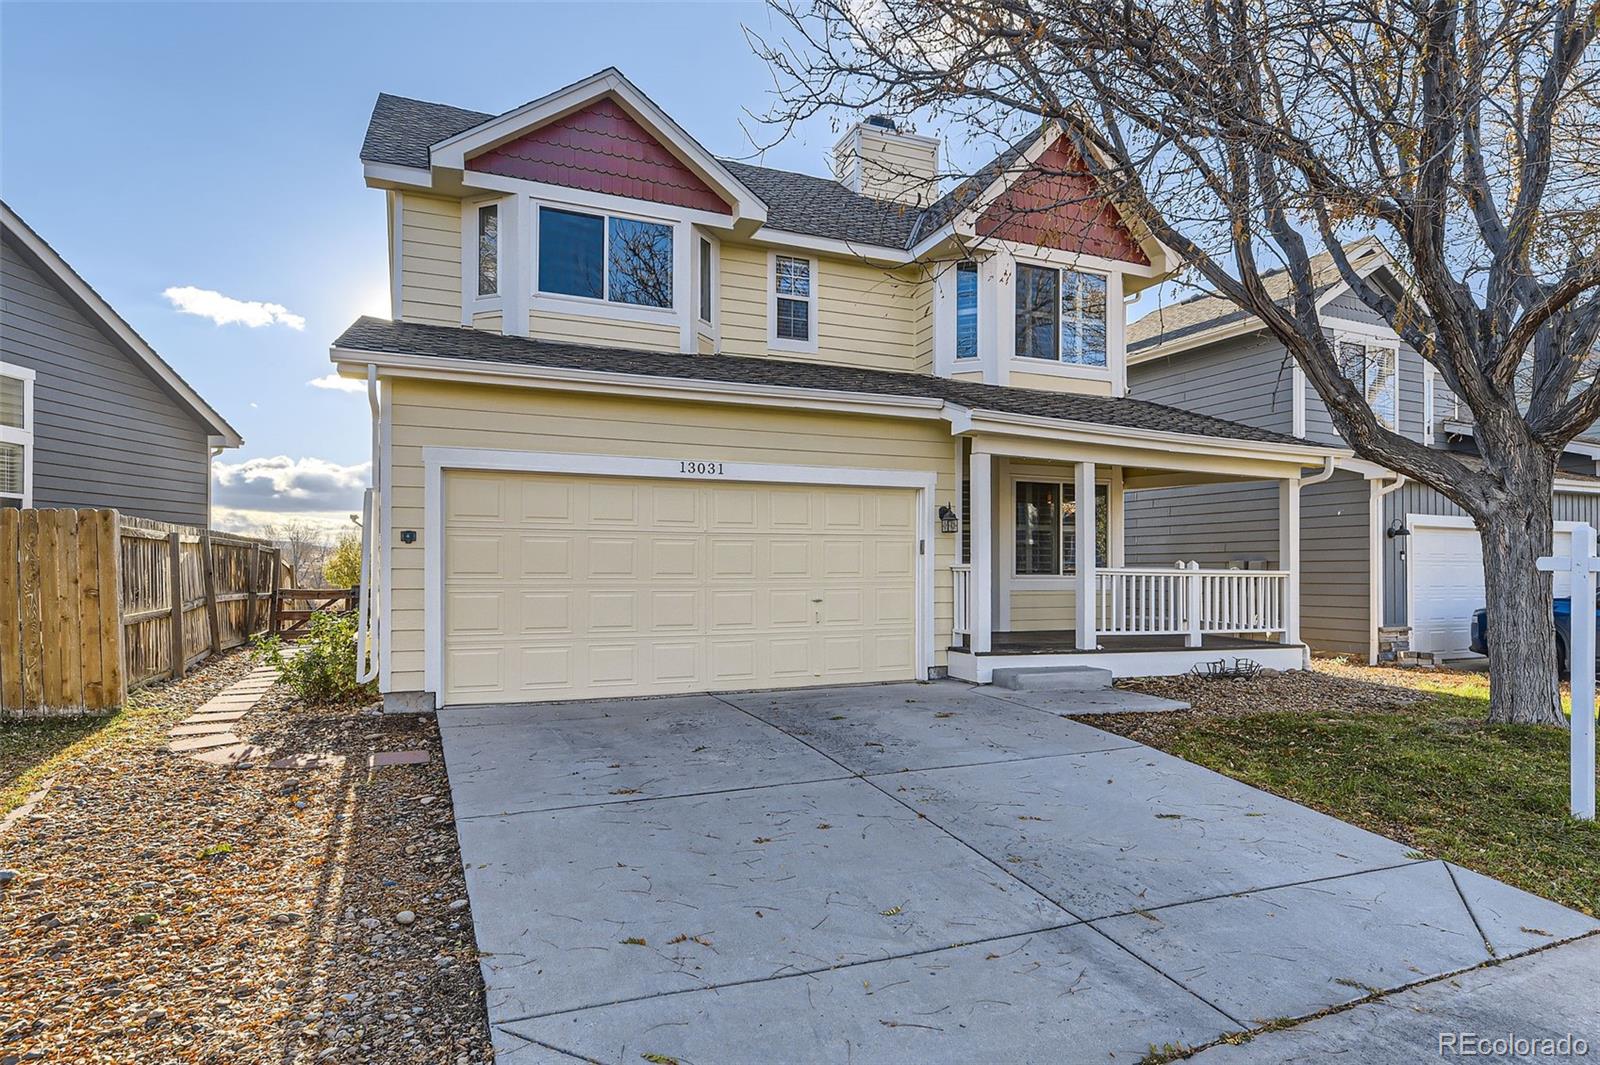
1052,678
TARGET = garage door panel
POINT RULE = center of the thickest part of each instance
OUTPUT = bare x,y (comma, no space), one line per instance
559,587
1447,584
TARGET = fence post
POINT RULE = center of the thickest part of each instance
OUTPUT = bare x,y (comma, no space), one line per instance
277,584
113,647
207,567
1192,582
250,586
175,540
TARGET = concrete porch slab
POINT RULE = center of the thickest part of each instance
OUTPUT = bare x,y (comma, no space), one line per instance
1132,828
585,754
1056,996
1369,932
720,889
893,727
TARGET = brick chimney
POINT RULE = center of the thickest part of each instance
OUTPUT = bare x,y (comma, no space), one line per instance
875,159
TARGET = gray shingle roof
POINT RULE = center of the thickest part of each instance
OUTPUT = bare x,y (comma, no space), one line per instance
401,132
447,342
1165,325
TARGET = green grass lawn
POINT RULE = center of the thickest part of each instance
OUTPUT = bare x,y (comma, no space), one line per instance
1431,774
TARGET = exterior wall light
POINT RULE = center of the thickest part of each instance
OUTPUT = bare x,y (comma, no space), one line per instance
949,520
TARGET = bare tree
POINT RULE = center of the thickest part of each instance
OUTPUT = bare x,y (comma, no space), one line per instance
1246,133
305,547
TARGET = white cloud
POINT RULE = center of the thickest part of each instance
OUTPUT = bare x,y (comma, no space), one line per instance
336,383
225,310
329,524
282,485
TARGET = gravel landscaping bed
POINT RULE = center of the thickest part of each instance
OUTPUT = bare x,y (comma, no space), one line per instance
164,909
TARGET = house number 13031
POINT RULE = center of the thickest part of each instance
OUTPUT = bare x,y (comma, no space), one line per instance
703,469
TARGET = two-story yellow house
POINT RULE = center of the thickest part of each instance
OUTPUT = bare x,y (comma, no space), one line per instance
649,421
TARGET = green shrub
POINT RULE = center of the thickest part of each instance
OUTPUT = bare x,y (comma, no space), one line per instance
343,567
322,668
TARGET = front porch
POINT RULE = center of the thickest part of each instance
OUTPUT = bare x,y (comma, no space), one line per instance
1045,573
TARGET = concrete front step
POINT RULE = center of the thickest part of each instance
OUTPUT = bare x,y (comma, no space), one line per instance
1052,678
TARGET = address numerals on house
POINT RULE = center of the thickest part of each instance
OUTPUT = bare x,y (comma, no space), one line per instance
701,469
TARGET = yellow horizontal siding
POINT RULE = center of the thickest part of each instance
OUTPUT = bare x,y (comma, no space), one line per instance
587,329
1046,382
430,279
1035,609
443,414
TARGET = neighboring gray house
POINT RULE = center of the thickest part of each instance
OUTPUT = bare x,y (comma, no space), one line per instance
1378,552
90,416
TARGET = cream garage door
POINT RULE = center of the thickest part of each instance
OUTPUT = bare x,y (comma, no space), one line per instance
567,587
1446,576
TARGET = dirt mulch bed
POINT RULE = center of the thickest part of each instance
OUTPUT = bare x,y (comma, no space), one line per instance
170,910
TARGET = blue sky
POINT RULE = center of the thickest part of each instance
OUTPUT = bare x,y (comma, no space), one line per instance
214,146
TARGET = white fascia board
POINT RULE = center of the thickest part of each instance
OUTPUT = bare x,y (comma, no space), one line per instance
451,153
1117,436
113,323
845,249
477,371
389,175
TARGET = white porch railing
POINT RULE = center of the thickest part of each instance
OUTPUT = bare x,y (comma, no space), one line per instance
1189,601
1184,600
961,589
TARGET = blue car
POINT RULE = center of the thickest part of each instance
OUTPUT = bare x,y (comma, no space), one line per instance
1563,618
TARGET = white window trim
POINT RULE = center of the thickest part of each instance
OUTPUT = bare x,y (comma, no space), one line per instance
1035,582
502,300
603,307
712,328
23,436
775,342
437,461
1428,386
1059,367
1374,340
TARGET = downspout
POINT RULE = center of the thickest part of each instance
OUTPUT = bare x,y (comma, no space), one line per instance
371,538
1375,561
1317,478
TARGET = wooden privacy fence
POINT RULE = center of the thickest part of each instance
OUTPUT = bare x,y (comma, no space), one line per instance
94,604
294,608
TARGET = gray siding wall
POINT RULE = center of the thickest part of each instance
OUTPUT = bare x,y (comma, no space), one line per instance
1245,379
106,434
1221,524
1413,498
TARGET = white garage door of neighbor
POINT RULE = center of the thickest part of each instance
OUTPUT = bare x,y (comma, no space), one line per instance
1447,583
568,587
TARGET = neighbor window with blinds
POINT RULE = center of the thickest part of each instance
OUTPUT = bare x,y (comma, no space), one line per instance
1060,315
605,257
16,438
1375,369
489,250
1047,537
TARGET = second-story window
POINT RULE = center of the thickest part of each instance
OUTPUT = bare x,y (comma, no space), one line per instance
1061,315
605,257
792,282
488,250
1375,369
705,280
966,310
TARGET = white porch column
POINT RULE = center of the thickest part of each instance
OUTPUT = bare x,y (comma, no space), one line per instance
982,606
1084,526
1289,554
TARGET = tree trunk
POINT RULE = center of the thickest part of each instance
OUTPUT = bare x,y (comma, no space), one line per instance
1523,685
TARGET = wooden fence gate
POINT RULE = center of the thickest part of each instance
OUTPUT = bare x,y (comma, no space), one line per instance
94,604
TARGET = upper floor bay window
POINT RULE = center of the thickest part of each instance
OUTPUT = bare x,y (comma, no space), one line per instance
966,310
16,436
1047,540
1061,315
1375,369
605,257
489,250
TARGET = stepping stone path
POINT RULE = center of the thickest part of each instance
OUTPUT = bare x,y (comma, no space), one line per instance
207,736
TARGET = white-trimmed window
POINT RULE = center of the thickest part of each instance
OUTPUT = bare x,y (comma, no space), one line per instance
966,310
489,249
610,258
706,265
1047,538
1373,367
792,303
1061,315
16,437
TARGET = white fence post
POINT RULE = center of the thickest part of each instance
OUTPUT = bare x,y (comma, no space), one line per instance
1192,586
1582,564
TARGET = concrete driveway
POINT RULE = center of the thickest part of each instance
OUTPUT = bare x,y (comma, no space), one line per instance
918,873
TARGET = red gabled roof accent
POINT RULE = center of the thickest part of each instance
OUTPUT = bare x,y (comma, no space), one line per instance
1055,205
601,148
